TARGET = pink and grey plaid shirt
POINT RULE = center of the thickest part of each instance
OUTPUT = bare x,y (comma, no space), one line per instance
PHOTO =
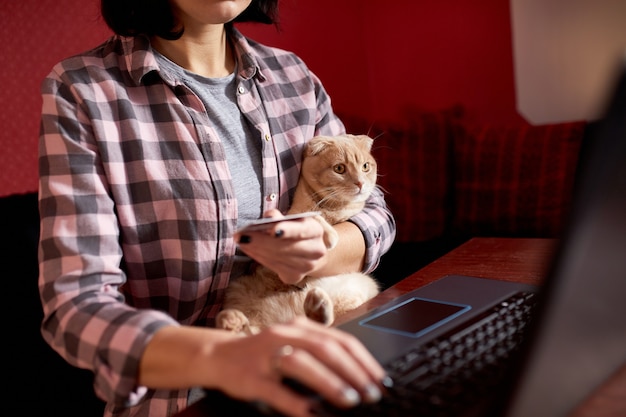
137,204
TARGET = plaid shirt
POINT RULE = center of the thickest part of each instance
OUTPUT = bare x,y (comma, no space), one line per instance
137,203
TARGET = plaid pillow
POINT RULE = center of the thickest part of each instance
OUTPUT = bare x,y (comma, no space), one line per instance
514,181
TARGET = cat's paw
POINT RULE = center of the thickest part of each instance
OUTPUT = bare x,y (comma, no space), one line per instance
233,320
331,237
318,306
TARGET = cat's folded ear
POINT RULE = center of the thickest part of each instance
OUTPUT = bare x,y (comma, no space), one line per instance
364,139
319,143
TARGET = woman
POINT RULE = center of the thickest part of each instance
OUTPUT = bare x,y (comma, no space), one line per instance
155,147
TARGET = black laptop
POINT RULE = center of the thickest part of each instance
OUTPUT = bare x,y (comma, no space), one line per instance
466,346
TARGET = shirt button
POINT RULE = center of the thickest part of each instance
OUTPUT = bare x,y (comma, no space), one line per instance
272,197
241,90
268,137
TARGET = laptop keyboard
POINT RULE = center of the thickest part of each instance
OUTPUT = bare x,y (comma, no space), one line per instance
453,372
445,376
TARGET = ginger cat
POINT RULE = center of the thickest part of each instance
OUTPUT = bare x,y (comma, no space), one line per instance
338,175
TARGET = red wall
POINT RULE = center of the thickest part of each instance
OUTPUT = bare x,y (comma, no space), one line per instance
34,35
375,58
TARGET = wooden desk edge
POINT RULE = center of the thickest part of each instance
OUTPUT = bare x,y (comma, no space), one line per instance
510,259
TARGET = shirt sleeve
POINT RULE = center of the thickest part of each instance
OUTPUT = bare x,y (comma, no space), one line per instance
375,221
378,227
85,318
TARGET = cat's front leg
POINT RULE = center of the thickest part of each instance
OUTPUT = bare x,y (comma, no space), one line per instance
318,306
233,320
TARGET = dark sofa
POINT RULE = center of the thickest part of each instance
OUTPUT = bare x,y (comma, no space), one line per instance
40,382
446,179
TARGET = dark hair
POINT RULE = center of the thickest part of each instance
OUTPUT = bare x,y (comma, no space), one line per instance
155,17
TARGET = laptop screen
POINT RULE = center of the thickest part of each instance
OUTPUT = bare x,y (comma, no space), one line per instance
580,339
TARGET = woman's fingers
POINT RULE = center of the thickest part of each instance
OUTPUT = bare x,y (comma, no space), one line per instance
329,362
291,248
275,394
332,363
306,370
300,230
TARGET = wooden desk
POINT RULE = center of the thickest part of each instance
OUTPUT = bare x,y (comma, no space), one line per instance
519,260
509,259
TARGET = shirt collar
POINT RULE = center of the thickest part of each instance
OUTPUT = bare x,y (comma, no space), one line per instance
246,58
140,60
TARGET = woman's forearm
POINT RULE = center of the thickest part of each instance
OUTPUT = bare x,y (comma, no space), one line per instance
348,255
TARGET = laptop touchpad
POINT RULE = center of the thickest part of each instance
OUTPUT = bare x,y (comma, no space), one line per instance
415,316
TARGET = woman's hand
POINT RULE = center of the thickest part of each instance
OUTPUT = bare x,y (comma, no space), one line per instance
292,249
326,360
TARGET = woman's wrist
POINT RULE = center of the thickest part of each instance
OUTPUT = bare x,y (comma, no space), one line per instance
181,357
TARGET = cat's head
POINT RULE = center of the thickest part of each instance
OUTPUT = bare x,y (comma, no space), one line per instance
340,169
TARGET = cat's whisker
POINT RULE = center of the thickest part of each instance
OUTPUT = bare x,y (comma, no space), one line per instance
381,188
379,135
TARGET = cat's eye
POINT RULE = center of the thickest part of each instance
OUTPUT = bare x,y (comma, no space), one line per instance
366,167
339,168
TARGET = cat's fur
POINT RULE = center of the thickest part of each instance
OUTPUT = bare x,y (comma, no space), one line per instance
338,175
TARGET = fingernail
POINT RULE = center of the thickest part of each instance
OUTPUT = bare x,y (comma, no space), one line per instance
244,239
372,393
279,233
387,382
350,397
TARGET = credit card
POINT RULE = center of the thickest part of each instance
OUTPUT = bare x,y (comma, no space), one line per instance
266,222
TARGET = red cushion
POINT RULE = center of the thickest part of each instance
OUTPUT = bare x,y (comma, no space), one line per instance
514,181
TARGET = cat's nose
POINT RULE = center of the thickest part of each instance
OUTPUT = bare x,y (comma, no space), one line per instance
359,184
